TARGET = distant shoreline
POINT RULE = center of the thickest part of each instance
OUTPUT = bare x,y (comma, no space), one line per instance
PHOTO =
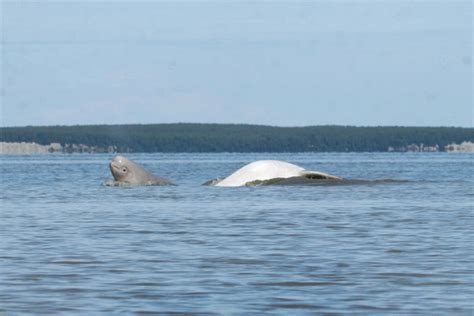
212,138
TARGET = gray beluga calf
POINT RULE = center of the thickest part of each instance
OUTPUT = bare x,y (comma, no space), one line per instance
126,171
271,172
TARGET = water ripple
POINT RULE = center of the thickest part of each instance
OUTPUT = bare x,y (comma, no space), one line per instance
69,245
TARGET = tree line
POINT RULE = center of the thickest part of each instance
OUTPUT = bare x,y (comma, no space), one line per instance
190,137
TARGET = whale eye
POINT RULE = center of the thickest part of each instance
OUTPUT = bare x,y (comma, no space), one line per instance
124,169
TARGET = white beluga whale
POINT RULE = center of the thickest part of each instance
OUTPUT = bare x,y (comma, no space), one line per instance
128,172
270,172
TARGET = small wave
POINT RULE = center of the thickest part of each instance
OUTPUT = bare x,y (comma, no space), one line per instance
295,306
369,307
113,183
237,261
296,283
323,182
75,261
400,274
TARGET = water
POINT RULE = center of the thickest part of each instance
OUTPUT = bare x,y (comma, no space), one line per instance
69,245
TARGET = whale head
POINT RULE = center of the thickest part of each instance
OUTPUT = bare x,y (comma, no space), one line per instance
127,171
122,169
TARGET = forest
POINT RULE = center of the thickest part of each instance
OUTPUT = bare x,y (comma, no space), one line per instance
191,137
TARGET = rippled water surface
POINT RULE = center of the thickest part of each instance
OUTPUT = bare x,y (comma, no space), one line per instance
69,245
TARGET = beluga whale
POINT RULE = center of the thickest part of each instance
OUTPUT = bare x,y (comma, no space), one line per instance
128,172
265,172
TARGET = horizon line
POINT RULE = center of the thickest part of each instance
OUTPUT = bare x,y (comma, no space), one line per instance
245,124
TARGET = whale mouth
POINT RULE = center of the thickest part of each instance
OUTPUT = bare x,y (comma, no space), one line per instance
115,169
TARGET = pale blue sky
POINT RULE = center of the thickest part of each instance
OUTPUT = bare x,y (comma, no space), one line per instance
283,63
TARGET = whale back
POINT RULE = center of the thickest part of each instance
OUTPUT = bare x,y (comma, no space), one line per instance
260,171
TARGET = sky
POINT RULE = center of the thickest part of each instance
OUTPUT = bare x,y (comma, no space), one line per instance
284,63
